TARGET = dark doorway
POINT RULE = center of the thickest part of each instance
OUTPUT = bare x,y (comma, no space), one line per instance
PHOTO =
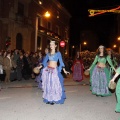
19,41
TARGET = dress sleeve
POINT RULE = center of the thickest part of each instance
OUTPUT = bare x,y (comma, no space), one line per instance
118,70
61,62
110,62
115,62
94,62
45,60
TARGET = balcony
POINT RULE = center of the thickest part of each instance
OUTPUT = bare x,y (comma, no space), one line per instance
48,32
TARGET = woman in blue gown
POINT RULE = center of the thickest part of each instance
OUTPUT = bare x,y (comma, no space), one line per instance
52,79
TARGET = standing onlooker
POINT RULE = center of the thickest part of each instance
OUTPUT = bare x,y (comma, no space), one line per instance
7,62
1,58
19,67
15,57
26,72
33,64
1,67
38,77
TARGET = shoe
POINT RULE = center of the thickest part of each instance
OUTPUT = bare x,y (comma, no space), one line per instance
117,112
48,103
51,103
97,95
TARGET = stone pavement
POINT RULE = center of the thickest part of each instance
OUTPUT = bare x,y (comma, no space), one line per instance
22,100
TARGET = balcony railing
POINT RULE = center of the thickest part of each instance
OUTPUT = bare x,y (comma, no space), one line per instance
48,32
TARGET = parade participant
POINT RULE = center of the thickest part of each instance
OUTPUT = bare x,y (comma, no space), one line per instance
77,68
52,80
117,109
99,73
113,59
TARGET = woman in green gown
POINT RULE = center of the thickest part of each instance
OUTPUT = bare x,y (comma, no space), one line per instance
117,109
114,62
100,74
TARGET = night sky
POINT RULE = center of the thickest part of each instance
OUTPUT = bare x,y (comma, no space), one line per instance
100,29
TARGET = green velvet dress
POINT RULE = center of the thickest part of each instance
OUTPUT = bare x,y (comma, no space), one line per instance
117,109
99,80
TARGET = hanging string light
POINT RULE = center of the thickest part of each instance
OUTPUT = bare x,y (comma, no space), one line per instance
98,12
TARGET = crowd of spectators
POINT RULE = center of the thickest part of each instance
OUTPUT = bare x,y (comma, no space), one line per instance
18,64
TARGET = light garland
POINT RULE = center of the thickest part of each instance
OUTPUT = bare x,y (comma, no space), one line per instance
98,12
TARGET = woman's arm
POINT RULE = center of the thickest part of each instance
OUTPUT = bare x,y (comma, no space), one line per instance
62,65
116,75
110,62
44,62
94,62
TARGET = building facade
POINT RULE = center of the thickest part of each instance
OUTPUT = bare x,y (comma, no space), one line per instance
24,21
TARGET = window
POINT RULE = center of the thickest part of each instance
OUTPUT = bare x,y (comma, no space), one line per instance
20,9
19,41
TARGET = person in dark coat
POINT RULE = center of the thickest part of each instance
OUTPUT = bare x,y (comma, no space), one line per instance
19,67
26,72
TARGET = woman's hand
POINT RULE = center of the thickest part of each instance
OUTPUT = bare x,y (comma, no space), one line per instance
66,72
112,80
39,67
88,69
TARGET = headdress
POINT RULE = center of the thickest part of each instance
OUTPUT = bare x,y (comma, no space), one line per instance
101,46
52,42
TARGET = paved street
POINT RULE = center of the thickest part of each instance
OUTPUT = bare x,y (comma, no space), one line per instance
22,100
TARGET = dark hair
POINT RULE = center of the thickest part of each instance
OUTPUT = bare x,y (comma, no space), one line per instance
76,56
112,56
104,51
8,53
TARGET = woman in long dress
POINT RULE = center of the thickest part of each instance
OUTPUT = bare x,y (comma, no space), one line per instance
52,79
77,68
113,59
117,109
99,73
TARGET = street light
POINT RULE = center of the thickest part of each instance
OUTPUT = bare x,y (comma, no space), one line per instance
47,14
85,43
114,46
119,38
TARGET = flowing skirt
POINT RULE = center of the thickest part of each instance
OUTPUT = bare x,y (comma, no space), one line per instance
99,81
52,86
39,80
118,96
